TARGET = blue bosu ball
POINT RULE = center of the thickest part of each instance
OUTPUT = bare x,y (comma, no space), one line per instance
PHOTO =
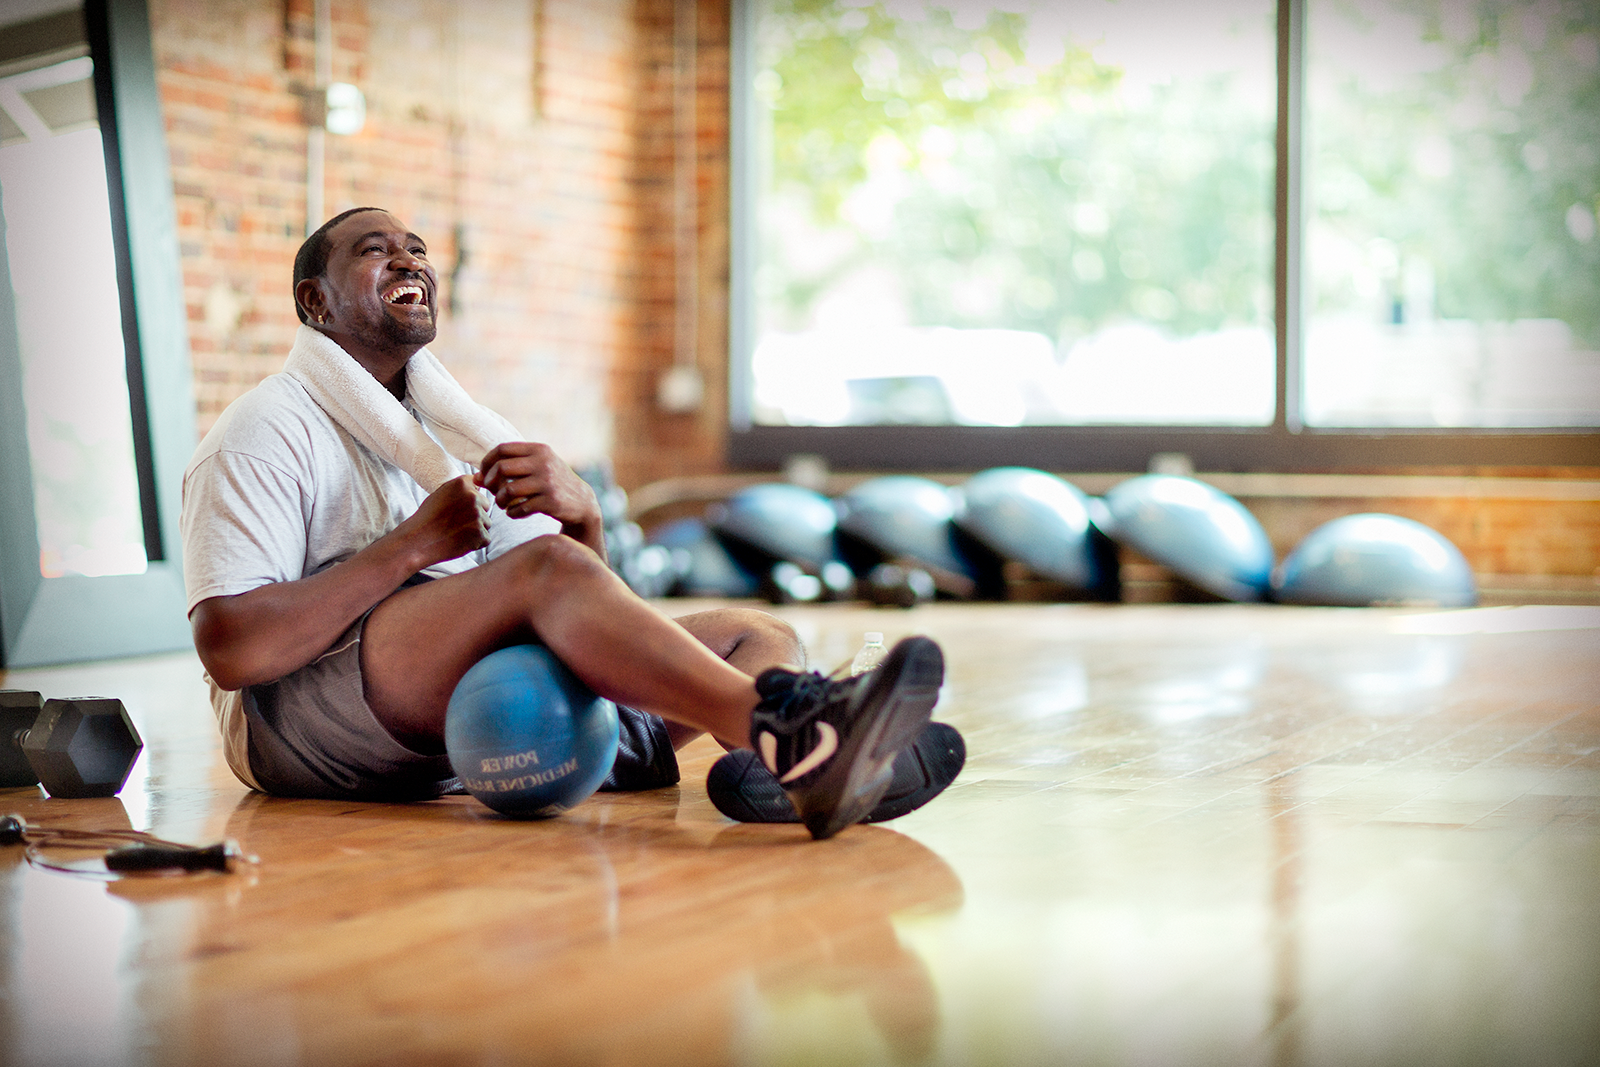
786,522
1196,530
1035,518
1367,559
903,516
526,736
704,565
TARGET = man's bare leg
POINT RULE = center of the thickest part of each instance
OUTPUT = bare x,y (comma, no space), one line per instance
420,641
748,639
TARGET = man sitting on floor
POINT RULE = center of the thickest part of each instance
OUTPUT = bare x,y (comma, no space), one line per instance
343,572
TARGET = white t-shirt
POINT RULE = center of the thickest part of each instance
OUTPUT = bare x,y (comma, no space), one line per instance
278,491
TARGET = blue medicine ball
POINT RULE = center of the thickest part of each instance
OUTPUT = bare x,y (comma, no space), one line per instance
1196,530
526,736
1361,560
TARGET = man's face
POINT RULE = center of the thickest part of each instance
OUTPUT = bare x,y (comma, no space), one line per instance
379,289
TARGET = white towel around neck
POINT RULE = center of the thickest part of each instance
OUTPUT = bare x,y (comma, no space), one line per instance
354,399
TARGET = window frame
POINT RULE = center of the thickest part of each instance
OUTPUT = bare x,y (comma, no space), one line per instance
74,617
1286,445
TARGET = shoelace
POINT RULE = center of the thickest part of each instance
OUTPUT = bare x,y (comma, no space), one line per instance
801,692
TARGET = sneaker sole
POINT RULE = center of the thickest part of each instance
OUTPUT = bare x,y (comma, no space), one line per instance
922,771
861,773
741,787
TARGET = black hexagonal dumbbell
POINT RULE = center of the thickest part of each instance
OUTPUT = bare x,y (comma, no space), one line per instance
80,747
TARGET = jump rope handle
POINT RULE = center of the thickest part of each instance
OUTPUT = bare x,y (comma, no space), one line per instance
218,857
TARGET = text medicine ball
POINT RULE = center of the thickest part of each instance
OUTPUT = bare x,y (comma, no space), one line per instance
526,736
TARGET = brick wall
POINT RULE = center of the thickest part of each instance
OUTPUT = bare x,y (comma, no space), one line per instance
651,443
530,142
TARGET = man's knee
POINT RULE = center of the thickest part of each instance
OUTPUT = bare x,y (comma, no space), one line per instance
727,630
753,622
554,561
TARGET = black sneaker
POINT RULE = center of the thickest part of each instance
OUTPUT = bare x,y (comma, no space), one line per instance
743,789
831,743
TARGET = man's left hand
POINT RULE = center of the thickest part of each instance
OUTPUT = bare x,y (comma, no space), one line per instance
527,478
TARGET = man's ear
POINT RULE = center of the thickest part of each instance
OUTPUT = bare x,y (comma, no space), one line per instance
308,294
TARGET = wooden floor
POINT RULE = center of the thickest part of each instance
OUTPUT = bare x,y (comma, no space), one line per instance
1185,835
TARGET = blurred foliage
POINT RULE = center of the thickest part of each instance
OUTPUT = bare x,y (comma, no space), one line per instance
1486,169
1007,194
1024,196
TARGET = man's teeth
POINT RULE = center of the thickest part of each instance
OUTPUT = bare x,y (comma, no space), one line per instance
405,294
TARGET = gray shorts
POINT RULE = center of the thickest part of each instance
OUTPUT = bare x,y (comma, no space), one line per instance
312,734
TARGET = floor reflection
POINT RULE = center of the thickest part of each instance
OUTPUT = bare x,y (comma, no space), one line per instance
65,945
801,955
1206,680
1284,821
576,908
1381,674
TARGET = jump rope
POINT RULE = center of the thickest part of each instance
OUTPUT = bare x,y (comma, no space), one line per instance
125,851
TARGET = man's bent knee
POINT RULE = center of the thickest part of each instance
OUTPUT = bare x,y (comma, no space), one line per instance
763,638
755,623
552,562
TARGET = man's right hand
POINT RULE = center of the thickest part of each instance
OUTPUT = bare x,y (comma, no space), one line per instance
453,521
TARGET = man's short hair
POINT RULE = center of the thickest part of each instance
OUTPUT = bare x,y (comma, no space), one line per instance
312,259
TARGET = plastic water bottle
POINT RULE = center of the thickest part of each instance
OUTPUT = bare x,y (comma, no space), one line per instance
871,653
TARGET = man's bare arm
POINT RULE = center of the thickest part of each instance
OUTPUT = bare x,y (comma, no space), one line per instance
268,632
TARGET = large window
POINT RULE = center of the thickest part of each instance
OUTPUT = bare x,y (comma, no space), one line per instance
57,219
96,412
1454,163
1312,233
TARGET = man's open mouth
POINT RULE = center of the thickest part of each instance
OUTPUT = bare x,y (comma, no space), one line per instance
406,294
